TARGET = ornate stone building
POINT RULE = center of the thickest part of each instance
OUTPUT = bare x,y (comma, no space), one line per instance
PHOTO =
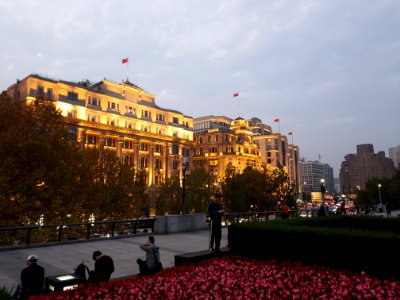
221,141
121,117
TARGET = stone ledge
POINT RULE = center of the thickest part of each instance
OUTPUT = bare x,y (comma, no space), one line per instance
198,256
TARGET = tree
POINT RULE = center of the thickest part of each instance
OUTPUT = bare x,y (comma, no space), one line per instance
253,190
36,161
168,197
198,190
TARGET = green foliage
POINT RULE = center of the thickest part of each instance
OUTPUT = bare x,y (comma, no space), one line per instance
5,294
43,173
198,192
336,241
169,197
253,190
390,191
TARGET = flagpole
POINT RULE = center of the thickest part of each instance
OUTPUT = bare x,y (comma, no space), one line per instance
127,70
239,106
236,95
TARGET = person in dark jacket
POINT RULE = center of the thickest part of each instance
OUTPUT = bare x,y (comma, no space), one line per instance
215,212
32,278
149,265
103,267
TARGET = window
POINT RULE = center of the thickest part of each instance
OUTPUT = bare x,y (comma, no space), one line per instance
128,159
160,117
143,162
143,147
93,101
40,90
73,96
92,118
91,139
72,136
129,110
146,114
49,93
128,144
113,106
158,149
175,149
110,142
175,164
175,120
158,163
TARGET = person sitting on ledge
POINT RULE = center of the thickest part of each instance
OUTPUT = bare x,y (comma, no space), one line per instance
103,267
149,266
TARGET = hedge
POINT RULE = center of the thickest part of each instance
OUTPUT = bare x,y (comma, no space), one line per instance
354,243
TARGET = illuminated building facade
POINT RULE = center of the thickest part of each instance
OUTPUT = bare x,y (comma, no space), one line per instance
221,141
121,117
275,150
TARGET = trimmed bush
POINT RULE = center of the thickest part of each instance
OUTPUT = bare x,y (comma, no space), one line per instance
354,243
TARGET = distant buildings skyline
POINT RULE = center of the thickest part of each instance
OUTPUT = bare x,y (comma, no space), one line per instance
358,168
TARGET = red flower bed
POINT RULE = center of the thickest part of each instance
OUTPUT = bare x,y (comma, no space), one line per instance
241,278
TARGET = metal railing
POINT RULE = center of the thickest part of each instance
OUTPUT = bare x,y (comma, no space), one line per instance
27,235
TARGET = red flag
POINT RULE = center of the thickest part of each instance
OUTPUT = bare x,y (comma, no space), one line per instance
125,60
276,120
236,95
290,133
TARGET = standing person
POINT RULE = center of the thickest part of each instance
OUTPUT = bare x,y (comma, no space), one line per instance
103,267
215,212
380,207
32,278
149,266
388,209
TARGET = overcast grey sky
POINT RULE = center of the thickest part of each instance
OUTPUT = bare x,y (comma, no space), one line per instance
330,70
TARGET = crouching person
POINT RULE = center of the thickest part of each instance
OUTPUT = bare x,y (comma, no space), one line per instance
152,263
103,267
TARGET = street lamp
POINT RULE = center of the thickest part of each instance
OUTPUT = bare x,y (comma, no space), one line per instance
323,188
379,190
185,166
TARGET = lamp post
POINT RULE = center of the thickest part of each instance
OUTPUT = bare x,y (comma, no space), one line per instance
185,166
379,190
323,188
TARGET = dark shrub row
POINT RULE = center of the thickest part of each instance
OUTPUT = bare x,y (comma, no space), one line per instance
354,243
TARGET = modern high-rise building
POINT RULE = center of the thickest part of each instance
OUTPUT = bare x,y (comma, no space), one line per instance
394,154
121,117
313,174
365,165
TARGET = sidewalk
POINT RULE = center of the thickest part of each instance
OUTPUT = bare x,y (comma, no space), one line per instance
62,259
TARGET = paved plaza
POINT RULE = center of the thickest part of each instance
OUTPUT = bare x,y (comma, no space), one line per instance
62,259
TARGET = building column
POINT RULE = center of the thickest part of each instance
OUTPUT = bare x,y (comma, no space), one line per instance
81,137
135,147
151,164
167,161
120,144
